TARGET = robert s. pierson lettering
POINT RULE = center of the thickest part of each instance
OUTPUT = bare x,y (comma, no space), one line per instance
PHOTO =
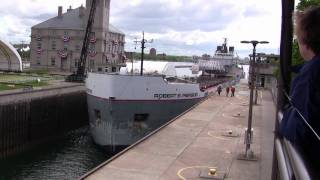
175,96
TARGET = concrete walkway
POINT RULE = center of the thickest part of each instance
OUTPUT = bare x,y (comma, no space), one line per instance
186,148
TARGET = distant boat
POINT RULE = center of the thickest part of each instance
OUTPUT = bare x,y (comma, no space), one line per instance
221,62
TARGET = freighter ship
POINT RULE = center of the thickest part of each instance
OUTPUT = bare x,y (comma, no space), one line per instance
221,63
125,108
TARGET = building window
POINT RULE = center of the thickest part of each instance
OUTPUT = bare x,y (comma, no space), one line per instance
53,61
38,60
91,63
39,45
97,114
92,47
54,32
76,62
54,45
99,69
114,69
65,47
66,33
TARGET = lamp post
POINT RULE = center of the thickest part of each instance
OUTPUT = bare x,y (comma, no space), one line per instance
248,135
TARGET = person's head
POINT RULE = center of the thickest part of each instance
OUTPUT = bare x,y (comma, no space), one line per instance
308,32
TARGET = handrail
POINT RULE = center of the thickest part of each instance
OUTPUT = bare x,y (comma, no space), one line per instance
299,169
293,165
280,116
281,161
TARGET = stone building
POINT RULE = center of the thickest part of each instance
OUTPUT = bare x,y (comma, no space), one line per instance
56,43
265,68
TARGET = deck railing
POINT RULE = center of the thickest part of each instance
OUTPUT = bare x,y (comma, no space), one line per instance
289,162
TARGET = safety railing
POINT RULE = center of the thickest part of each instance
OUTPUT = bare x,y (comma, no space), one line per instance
290,164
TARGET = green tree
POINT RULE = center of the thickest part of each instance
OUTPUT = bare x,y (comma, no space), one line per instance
296,57
307,3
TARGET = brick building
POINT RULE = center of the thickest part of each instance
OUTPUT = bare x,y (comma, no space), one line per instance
56,43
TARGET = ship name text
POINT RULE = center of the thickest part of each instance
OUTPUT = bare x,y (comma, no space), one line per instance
172,96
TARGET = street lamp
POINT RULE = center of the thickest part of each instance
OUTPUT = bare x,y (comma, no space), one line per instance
248,135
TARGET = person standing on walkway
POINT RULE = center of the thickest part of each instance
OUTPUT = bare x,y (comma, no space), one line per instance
233,90
227,91
219,89
305,92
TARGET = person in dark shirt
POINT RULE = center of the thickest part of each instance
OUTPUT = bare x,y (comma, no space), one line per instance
219,89
233,90
227,91
305,91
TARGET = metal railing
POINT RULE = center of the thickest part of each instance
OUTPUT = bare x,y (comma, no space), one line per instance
289,163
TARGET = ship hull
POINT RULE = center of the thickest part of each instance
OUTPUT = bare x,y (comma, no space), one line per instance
116,124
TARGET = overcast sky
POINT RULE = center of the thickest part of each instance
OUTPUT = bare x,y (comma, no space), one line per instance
180,27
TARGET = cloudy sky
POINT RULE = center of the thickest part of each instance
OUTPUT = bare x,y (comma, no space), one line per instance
179,27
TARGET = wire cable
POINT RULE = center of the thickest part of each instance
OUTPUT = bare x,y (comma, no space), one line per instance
297,110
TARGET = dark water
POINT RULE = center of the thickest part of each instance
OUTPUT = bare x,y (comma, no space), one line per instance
66,157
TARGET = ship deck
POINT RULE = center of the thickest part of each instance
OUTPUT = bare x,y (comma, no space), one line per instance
194,142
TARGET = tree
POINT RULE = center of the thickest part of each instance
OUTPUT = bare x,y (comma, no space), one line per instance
307,3
296,57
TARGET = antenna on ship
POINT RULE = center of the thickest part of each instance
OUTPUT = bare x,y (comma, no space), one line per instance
224,45
143,42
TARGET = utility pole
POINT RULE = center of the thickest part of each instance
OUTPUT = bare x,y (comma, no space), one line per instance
22,51
143,42
248,134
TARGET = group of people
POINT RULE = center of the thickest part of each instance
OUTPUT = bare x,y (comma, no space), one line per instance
228,89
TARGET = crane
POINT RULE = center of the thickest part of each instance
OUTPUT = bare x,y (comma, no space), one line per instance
80,75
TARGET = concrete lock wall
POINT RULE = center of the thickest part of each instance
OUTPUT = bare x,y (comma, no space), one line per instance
26,123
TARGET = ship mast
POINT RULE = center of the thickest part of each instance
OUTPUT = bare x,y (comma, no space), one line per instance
224,45
142,53
143,42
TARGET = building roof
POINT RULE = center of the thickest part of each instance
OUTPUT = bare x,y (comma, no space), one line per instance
114,29
70,20
10,59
